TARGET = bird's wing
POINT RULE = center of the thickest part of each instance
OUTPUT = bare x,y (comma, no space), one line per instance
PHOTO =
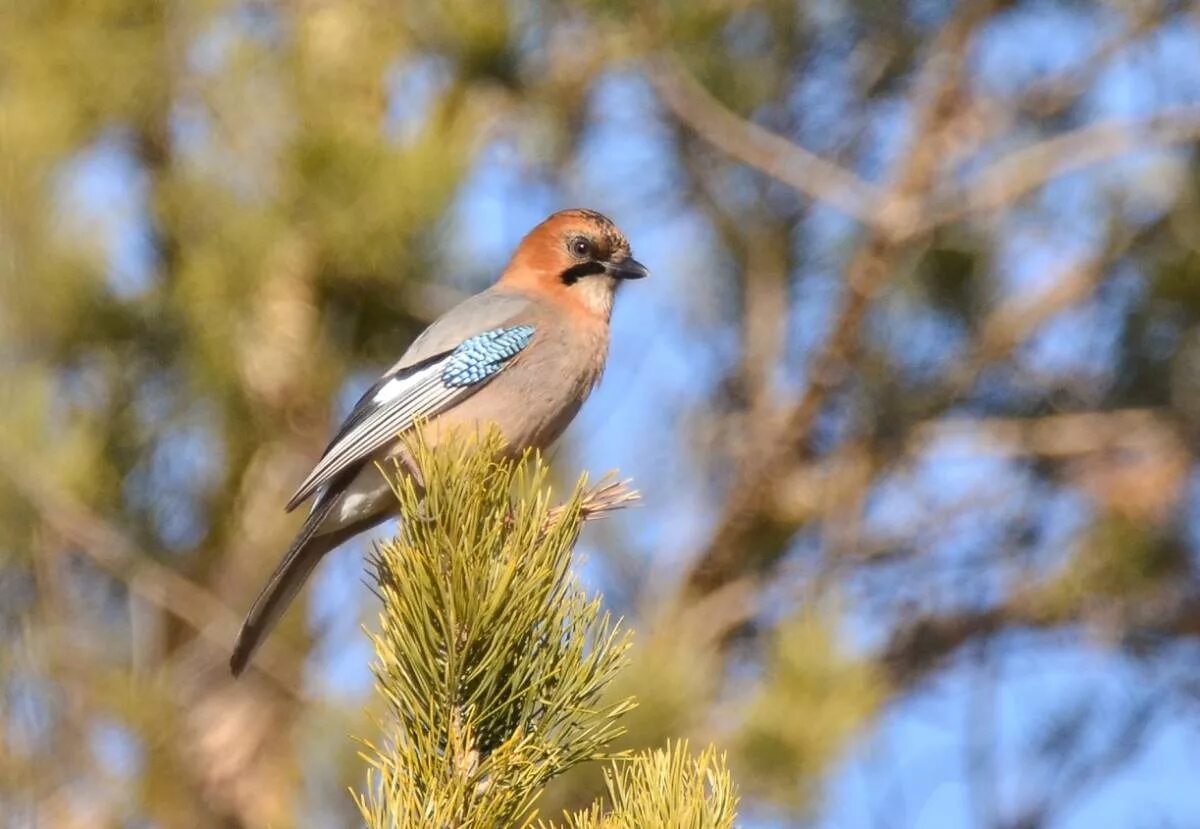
412,390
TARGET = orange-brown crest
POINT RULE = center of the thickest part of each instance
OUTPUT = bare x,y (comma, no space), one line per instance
575,257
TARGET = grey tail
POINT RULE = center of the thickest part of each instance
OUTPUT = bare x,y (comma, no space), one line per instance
297,565
293,571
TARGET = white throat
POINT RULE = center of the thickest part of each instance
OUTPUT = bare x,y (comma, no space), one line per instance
596,293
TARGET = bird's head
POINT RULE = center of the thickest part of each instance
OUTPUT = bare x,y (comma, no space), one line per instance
576,256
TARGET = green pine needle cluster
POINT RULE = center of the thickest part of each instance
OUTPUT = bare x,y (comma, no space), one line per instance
664,788
492,659
490,656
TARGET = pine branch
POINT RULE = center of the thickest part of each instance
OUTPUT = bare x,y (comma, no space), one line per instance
492,659
490,656
664,788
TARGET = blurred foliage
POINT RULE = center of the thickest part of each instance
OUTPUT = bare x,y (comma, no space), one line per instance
1119,563
832,695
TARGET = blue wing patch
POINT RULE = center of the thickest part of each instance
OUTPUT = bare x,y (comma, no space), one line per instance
484,354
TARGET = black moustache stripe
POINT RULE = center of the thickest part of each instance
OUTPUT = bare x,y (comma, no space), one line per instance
572,274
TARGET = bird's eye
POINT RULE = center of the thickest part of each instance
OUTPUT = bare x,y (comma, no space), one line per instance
580,247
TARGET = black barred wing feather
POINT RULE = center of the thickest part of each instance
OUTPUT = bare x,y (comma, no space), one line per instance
422,390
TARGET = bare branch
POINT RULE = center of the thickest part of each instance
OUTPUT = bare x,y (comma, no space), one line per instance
765,151
1022,171
158,584
1054,436
920,645
777,447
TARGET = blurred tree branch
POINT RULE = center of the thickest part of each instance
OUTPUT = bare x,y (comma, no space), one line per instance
1056,435
777,442
1020,172
771,154
152,581
926,641
907,210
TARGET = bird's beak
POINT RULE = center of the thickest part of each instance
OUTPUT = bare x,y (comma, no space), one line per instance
628,268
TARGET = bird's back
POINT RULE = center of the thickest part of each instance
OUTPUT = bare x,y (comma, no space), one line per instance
534,399
496,307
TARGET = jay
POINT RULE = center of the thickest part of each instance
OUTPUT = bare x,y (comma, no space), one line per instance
521,356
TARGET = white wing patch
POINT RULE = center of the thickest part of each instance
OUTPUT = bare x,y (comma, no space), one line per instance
392,389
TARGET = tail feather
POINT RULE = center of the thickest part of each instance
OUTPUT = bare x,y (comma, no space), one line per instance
293,570
302,557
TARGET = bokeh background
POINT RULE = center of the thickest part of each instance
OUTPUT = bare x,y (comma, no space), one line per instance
912,396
